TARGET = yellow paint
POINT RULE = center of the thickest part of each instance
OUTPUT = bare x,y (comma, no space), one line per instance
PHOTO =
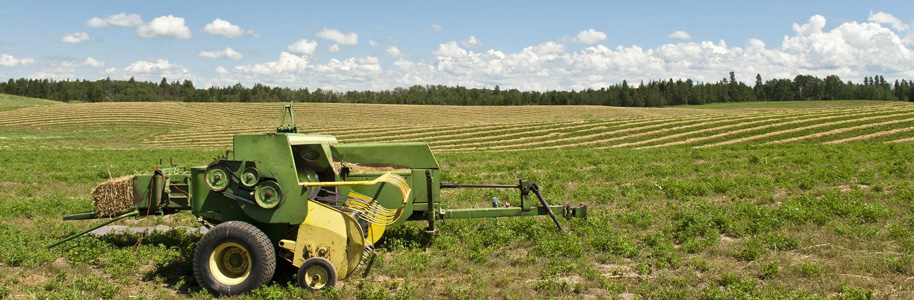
230,263
328,233
373,211
316,277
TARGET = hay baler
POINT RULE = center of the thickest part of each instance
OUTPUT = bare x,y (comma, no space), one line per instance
305,198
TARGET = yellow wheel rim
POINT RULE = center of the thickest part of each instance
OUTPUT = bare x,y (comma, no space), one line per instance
230,263
316,277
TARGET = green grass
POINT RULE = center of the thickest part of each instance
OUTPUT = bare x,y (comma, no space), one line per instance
11,102
758,222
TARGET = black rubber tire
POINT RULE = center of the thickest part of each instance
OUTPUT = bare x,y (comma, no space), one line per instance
321,262
259,247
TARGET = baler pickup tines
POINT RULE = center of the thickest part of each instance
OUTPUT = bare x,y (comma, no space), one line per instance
372,211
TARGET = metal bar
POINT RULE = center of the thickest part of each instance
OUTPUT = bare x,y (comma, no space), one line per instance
493,212
81,216
67,239
536,190
370,263
451,185
430,213
404,173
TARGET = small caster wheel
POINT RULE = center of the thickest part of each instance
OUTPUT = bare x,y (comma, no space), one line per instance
316,273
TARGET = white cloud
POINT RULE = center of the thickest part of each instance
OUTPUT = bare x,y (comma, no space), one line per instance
472,42
590,36
75,38
393,52
221,70
851,50
121,19
64,70
437,28
228,53
680,35
287,62
884,18
303,47
814,26
340,38
373,43
335,48
151,70
10,61
450,50
226,29
93,63
165,27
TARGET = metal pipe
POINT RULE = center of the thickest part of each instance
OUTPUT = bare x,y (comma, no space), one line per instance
118,218
451,185
536,190
430,213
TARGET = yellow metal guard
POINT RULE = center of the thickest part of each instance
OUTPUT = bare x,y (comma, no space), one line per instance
372,211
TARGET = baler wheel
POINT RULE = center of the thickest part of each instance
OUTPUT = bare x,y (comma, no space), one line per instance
234,258
316,273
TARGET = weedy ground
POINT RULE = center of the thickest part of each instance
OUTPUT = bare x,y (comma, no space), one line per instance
793,220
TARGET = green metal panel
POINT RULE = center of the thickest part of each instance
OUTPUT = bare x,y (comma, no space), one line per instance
274,158
414,155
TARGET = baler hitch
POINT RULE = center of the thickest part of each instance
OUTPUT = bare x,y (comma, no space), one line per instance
526,208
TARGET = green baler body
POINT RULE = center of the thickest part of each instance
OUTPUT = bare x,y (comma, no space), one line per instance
281,157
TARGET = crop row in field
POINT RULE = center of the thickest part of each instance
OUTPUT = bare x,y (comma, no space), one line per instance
702,130
458,129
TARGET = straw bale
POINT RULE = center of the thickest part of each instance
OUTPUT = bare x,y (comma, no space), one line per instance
114,197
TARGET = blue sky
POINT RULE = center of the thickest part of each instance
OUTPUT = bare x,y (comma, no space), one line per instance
529,45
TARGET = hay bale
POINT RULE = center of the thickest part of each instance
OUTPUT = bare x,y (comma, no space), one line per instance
114,197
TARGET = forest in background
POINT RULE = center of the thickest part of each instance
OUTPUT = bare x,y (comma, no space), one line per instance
657,93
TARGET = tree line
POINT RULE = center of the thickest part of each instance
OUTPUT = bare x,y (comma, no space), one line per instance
655,93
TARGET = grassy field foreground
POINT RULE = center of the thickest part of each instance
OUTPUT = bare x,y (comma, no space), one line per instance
780,221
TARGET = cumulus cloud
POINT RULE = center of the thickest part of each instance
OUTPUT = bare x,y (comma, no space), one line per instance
287,62
303,47
228,53
121,19
393,52
65,69
335,48
884,18
7,60
75,38
472,42
151,70
226,29
340,38
93,62
851,50
373,43
169,27
590,36
680,35
450,50
814,26
437,28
